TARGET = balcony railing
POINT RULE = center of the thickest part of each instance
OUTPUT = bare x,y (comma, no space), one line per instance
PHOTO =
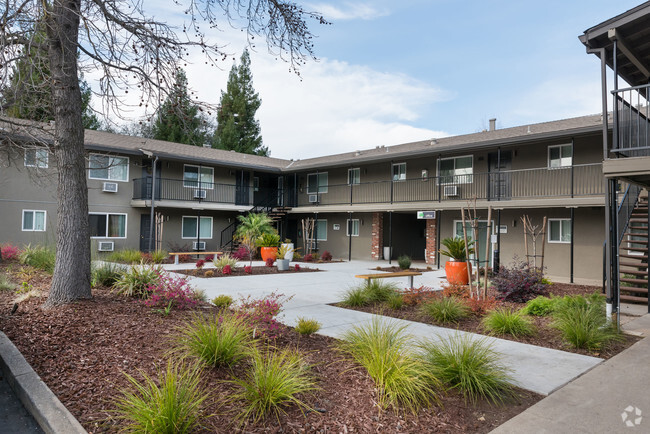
631,121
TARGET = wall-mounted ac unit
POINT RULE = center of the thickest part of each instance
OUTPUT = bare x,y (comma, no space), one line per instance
313,198
199,194
110,187
106,246
198,245
450,190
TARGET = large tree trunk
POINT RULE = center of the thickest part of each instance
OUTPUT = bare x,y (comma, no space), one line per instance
71,279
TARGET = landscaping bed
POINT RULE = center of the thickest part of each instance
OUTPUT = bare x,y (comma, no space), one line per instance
396,269
83,349
239,271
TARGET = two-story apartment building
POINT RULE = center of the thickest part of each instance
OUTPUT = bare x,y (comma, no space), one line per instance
363,201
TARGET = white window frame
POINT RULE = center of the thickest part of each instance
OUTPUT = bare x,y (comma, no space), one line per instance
40,162
466,178
111,164
204,185
106,237
34,211
562,221
347,227
351,179
401,175
480,241
198,227
318,175
561,166
318,234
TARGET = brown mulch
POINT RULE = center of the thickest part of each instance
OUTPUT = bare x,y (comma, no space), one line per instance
83,349
239,271
545,336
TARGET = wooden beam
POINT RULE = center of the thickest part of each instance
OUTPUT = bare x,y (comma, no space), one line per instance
628,52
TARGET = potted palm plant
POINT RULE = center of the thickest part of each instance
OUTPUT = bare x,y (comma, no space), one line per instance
457,266
268,244
251,227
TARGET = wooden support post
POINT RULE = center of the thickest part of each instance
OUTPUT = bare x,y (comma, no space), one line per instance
544,241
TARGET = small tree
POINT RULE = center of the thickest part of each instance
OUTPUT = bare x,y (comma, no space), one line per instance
251,227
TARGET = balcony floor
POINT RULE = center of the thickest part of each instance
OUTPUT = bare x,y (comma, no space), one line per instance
635,170
187,204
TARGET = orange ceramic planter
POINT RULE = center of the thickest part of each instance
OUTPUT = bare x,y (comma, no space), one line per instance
268,252
457,272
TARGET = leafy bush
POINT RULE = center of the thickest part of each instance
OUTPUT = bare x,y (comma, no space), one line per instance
395,301
248,269
221,340
585,325
308,257
469,365
455,248
224,260
227,271
540,306
269,239
508,322
481,306
445,310
307,326
9,252
200,264
269,262
327,256
355,297
275,380
382,348
415,296
41,257
171,291
404,262
519,283
455,290
5,283
241,254
379,291
315,256
125,256
222,301
170,405
261,312
135,281
105,274
297,267
159,256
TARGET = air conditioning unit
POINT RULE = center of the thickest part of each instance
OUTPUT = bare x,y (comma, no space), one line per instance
199,194
313,198
198,245
110,187
106,246
450,190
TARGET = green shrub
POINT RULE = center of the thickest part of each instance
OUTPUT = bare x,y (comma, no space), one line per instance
381,347
222,301
404,262
221,340
395,302
125,256
585,326
134,281
224,260
378,291
504,321
159,256
5,283
445,310
274,381
307,326
170,405
105,274
41,257
355,297
469,365
540,306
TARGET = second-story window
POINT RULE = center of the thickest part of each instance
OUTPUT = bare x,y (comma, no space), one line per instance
456,170
354,176
108,168
399,171
317,183
560,156
36,158
192,175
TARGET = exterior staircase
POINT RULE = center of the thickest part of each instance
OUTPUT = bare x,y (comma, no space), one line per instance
633,256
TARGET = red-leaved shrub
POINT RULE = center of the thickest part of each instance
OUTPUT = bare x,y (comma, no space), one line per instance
326,256
9,252
269,262
297,267
248,269
415,296
519,282
171,290
200,263
209,258
261,313
241,254
227,270
308,257
455,290
482,306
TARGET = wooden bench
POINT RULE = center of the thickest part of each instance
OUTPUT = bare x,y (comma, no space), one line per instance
176,255
408,274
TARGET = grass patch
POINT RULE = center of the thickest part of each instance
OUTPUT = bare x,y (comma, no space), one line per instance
134,281
41,257
468,365
585,326
504,321
445,310
307,326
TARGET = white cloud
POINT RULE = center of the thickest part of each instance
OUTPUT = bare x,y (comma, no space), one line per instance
349,11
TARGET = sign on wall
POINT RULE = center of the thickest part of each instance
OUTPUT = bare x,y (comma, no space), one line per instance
426,215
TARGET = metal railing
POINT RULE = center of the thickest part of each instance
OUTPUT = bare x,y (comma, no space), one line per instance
631,121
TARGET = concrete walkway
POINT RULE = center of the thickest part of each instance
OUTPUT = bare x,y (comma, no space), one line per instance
541,370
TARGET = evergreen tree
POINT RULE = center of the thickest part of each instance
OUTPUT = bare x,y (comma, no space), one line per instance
237,128
178,119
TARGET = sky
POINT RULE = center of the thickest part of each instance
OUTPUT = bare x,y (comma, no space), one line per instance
392,72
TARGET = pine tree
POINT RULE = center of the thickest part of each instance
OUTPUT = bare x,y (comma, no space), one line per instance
178,120
237,128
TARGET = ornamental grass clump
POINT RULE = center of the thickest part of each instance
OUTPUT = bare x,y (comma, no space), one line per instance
355,297
307,327
134,281
469,365
504,321
171,404
585,325
378,291
403,381
6,284
395,302
276,380
224,260
41,257
125,256
105,274
445,310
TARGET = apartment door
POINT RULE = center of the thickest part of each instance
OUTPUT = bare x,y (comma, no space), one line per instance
145,225
499,177
242,188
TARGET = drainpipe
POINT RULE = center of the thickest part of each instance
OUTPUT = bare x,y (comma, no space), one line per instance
390,236
572,240
153,194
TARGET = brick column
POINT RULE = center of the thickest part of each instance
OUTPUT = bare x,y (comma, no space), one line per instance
431,241
377,236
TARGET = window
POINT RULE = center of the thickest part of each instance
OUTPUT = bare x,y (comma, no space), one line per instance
456,170
36,158
353,228
560,156
106,225
34,221
108,168
317,183
191,176
190,229
399,172
354,176
559,230
320,229
256,183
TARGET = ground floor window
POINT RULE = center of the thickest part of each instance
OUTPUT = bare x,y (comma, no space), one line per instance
190,228
33,220
559,230
107,225
320,230
353,227
482,237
